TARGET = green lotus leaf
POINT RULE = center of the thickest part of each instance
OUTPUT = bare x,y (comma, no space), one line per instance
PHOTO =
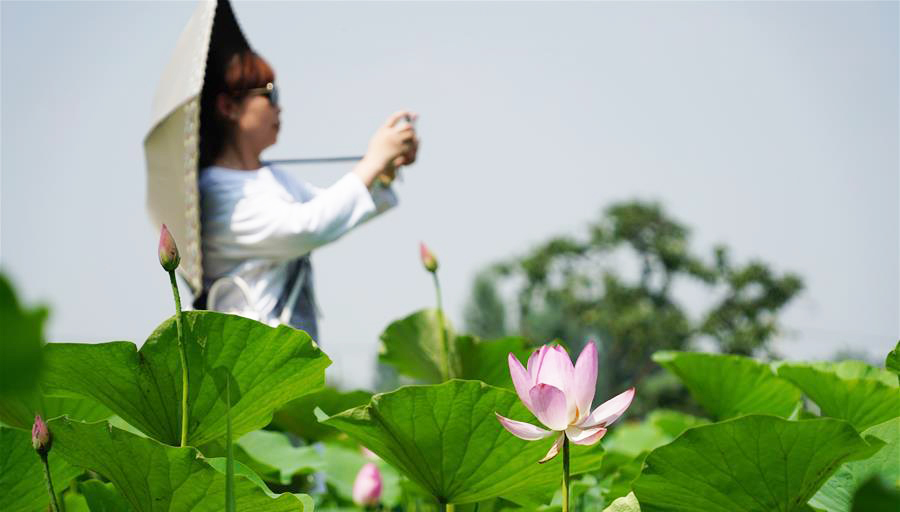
152,476
74,502
412,345
275,450
876,495
752,463
660,427
18,411
270,366
627,503
20,342
728,385
342,464
837,493
220,463
487,360
102,497
852,391
22,486
892,362
297,415
446,439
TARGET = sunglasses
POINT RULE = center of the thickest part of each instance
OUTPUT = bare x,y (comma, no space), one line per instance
270,91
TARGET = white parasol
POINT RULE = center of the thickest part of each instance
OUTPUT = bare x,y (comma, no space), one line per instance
172,148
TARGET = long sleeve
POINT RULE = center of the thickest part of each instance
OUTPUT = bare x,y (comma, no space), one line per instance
261,219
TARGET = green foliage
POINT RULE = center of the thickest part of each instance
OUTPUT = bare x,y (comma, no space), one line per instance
102,497
892,362
658,428
18,410
412,347
22,486
853,391
837,494
577,289
271,366
487,361
752,463
297,415
342,464
876,495
485,314
20,343
274,450
728,386
446,439
152,476
627,503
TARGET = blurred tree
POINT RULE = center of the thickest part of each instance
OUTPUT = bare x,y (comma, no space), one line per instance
615,286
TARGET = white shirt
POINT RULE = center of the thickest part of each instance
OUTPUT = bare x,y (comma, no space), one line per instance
255,223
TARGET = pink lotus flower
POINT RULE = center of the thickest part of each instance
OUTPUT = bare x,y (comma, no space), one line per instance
367,486
428,259
560,395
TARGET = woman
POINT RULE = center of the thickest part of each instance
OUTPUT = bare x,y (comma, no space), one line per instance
259,225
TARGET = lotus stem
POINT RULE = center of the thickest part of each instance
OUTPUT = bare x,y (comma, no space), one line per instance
183,353
230,504
445,344
447,507
54,506
565,482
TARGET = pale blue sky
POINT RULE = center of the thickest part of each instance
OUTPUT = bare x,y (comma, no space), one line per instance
771,127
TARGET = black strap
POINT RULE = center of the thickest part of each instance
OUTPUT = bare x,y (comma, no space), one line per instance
293,274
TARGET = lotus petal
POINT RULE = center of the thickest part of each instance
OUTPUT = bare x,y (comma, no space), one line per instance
550,406
521,380
586,436
523,430
585,381
554,450
609,411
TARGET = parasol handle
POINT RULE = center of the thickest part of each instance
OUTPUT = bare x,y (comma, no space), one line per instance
385,180
326,160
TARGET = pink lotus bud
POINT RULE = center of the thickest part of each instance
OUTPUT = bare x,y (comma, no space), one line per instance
367,487
168,251
428,259
40,436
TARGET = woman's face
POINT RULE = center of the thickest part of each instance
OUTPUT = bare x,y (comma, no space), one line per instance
256,122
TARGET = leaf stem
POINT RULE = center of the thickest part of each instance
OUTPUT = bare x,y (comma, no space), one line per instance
447,507
445,343
565,482
54,506
230,505
183,353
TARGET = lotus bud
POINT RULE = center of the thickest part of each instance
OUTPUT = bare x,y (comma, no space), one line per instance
168,251
428,259
367,487
40,436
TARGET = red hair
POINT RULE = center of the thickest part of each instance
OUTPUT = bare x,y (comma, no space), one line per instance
247,70
241,71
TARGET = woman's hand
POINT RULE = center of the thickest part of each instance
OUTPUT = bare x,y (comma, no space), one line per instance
393,144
